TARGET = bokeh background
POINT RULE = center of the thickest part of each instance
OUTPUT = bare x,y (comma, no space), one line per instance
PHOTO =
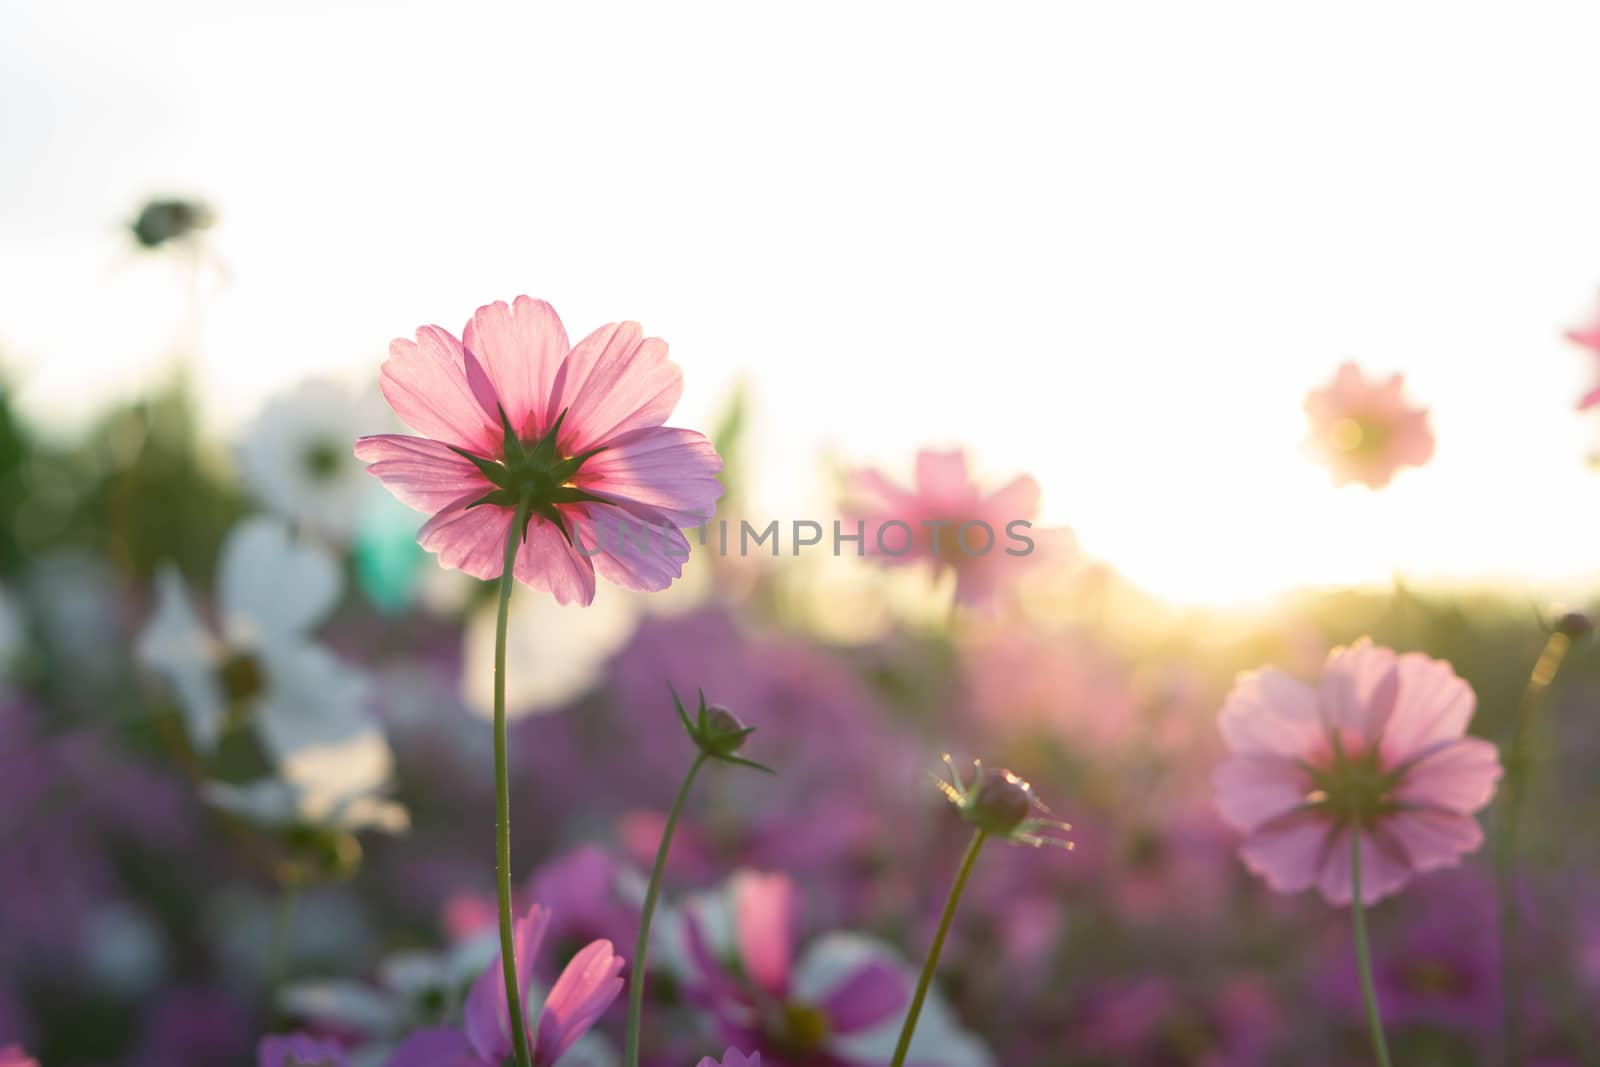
1110,247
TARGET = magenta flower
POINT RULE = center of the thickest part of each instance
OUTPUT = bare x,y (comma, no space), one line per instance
586,987
947,522
1364,431
1378,745
839,1004
511,417
732,1058
13,1056
1588,337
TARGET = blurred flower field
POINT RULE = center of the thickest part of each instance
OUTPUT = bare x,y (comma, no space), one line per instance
247,783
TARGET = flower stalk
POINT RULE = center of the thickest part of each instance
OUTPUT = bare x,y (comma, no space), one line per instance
502,797
1518,757
968,862
642,947
1358,922
282,952
718,734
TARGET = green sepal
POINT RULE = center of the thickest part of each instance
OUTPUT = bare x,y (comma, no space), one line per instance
497,473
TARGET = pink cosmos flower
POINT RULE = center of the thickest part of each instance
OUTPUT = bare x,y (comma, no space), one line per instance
1588,337
575,1003
511,417
945,521
839,1004
1364,431
1378,744
732,1058
13,1056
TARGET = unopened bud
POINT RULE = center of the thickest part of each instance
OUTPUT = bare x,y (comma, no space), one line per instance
162,221
1575,624
1000,802
724,730
717,732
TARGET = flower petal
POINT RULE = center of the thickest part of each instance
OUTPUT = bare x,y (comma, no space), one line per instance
313,699
1459,777
1433,839
426,383
943,477
615,380
865,998
1254,789
1288,852
271,585
488,1022
422,474
469,539
664,468
868,492
580,996
1019,499
1359,688
1434,706
763,918
630,546
520,349
176,643
547,562
1270,713
1384,867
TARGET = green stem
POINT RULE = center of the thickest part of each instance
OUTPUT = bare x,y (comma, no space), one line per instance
642,947
1511,792
282,942
502,798
1358,919
968,862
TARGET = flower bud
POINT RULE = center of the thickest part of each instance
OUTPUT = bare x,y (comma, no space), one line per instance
1000,802
161,221
724,730
1575,624
717,732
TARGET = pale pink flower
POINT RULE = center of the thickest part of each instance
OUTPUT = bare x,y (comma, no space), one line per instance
511,414
13,1056
587,986
947,522
1364,431
1379,744
1588,337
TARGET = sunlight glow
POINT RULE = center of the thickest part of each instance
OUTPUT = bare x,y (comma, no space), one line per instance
1026,245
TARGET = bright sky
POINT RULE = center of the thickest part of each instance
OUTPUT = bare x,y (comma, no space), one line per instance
1111,244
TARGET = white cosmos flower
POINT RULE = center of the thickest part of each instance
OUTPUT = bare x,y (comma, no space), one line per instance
271,590
338,784
414,988
296,456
